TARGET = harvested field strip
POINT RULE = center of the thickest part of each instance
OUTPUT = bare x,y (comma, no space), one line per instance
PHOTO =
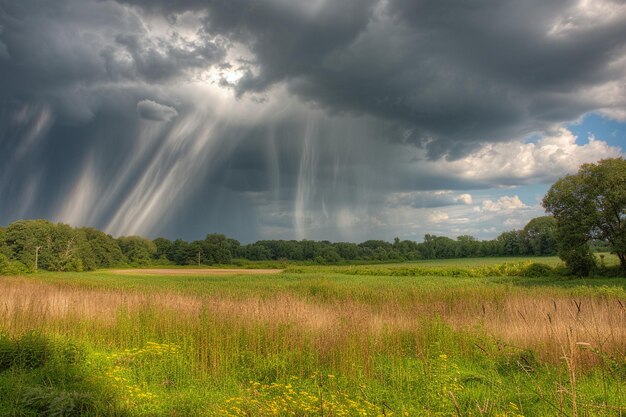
198,271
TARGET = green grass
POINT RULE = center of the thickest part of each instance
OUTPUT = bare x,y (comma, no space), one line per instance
426,338
366,281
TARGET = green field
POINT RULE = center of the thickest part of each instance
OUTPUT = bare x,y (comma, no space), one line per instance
472,337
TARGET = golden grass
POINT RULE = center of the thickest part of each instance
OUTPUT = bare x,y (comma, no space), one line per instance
338,330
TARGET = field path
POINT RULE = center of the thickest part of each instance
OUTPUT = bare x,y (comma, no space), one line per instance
204,271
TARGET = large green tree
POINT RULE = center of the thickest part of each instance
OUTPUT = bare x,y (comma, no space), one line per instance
590,205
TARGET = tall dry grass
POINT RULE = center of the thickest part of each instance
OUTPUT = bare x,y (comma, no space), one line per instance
343,332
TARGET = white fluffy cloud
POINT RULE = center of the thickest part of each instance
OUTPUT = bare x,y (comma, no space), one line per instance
426,199
151,110
504,203
438,217
484,219
518,162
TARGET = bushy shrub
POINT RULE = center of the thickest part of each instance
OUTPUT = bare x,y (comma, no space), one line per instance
52,402
75,265
9,267
507,269
579,260
535,270
7,352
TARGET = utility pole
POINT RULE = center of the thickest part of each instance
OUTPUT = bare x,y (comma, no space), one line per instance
37,248
198,257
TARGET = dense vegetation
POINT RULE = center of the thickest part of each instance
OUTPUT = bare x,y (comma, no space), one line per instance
39,244
466,337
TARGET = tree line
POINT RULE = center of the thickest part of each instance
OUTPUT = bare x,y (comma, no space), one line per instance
587,212
31,245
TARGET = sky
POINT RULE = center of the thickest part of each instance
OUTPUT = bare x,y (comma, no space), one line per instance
303,119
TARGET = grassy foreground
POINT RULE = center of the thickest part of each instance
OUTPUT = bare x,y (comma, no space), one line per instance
446,338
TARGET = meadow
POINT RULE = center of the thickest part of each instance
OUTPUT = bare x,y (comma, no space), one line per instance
472,337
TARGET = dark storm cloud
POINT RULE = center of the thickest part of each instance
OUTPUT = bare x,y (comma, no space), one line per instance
287,38
285,115
451,74
446,75
78,56
4,53
162,59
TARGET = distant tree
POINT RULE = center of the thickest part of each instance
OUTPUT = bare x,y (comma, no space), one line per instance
101,250
348,251
199,254
136,249
4,248
407,249
304,250
590,205
293,249
67,247
27,241
234,247
40,244
540,236
466,247
437,247
330,255
217,249
290,249
181,253
489,248
380,254
164,249
376,244
256,252
512,243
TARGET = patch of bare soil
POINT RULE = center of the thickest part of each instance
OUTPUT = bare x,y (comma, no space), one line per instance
204,271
